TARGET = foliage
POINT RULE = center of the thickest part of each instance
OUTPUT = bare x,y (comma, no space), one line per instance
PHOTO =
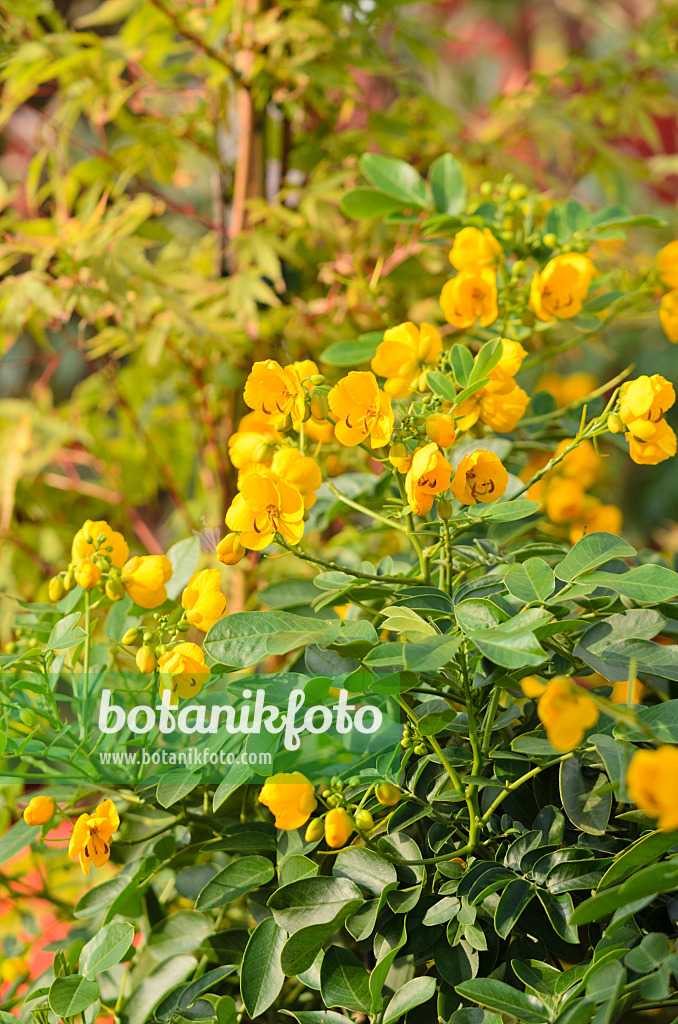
515,852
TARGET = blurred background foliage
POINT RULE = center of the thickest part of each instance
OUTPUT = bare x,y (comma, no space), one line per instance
170,179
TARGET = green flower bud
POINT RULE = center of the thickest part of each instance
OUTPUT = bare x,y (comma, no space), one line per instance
364,821
517,192
69,580
315,830
550,240
132,636
486,189
114,590
444,509
615,424
56,589
519,268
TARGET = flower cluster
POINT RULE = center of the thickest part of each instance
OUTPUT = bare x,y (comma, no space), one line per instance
292,800
90,841
643,403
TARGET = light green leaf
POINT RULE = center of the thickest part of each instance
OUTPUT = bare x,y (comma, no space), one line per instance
447,184
71,995
108,947
396,178
413,993
531,580
237,878
592,550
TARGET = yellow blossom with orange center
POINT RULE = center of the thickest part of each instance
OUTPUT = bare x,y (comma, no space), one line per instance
404,355
643,403
182,671
302,471
361,410
290,797
565,709
652,784
275,392
112,544
558,292
428,475
662,446
479,477
473,248
202,599
470,298
92,834
266,505
144,578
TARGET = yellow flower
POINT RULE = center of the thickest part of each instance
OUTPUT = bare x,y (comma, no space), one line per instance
559,291
429,475
399,457
274,392
301,471
254,441
265,506
666,263
338,827
582,464
473,248
480,477
229,550
565,709
501,376
668,314
361,410
662,446
470,297
564,500
39,811
144,578
290,797
501,412
652,783
146,659
596,518
203,600
643,403
112,544
92,834
182,671
569,388
404,354
440,428
87,574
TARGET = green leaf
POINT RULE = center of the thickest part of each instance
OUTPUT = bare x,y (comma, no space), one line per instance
262,977
182,998
648,848
311,910
344,981
586,798
447,184
441,385
531,580
486,360
496,995
181,932
353,353
144,999
246,638
233,881
515,898
388,941
504,511
461,362
367,869
647,583
288,593
184,557
363,203
559,907
396,178
616,757
108,947
605,984
65,633
592,550
662,719
316,1016
413,993
474,1015
648,882
71,995
15,838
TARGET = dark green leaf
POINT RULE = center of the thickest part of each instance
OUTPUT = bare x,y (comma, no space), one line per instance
262,977
237,878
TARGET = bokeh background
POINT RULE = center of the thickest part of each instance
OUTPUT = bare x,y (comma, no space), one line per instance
170,179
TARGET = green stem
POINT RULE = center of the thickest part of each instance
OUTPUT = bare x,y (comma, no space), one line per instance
593,430
85,681
519,782
489,720
416,580
412,534
391,523
578,402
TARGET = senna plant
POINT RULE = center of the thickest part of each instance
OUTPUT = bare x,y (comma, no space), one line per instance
431,771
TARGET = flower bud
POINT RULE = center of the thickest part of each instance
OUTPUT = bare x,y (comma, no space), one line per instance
399,457
28,717
338,827
517,192
444,509
183,626
364,821
320,406
39,811
315,830
486,189
56,589
132,636
615,424
440,428
421,748
146,660
69,580
519,268
550,240
87,574
387,794
316,380
229,550
114,590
